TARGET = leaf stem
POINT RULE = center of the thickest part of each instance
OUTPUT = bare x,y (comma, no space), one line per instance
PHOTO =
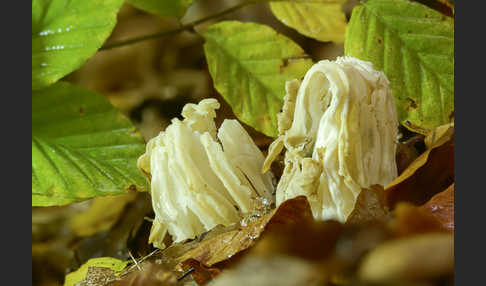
185,27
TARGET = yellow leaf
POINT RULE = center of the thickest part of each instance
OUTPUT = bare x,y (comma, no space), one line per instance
102,214
111,265
322,20
439,134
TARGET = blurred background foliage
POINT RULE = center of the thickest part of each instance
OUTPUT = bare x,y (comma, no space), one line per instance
150,82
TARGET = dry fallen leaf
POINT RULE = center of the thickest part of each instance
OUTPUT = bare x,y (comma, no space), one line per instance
406,154
271,270
442,207
227,244
429,174
409,219
151,274
439,135
417,257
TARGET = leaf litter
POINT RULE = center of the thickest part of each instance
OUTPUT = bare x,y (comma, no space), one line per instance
395,223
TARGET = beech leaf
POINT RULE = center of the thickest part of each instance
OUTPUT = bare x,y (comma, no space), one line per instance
163,8
428,174
442,207
66,33
96,270
322,20
82,147
227,244
414,45
249,64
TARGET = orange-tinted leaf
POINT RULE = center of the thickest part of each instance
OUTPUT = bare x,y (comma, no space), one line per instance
311,240
227,244
409,219
429,174
442,207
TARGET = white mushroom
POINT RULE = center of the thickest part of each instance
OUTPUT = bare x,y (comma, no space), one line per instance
201,176
339,127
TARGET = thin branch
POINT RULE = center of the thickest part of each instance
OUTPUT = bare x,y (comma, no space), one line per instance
185,27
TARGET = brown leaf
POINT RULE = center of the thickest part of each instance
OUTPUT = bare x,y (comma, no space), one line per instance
429,174
279,270
334,247
417,257
201,274
406,154
225,245
152,274
409,219
328,247
311,240
442,207
370,207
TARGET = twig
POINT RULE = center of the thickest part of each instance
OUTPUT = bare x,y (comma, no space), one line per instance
136,263
188,271
141,260
185,27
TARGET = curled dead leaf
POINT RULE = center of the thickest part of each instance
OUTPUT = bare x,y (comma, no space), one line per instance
411,258
150,274
442,207
225,245
429,174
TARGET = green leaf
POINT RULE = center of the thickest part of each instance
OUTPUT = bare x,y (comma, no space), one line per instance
110,267
414,46
66,33
82,147
163,8
249,64
322,20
